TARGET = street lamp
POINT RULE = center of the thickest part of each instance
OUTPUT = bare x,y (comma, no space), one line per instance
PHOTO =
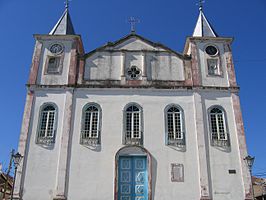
16,160
249,161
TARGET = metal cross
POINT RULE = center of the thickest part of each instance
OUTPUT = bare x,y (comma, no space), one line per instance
133,23
200,4
67,4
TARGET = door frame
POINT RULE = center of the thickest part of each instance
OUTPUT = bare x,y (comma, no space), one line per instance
133,151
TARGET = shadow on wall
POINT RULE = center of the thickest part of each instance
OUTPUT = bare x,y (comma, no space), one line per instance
154,175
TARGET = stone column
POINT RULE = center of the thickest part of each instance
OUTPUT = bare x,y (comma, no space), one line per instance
22,147
144,71
35,63
242,146
62,170
123,66
202,148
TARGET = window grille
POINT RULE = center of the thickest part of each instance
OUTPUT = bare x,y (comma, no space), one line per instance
219,135
133,133
213,67
175,133
90,132
53,65
46,132
134,72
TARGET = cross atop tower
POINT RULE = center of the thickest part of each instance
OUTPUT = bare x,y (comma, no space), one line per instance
133,23
67,4
200,4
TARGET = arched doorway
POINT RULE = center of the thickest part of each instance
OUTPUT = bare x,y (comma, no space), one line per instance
133,174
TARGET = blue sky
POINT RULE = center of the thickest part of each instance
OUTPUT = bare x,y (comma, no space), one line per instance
166,21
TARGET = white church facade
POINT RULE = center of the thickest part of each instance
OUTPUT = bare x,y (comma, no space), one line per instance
132,120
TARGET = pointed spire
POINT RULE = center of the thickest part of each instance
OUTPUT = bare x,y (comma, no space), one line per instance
203,27
64,25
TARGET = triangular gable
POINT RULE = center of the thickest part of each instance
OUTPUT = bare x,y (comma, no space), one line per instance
134,42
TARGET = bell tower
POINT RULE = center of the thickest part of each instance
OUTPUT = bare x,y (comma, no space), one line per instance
53,75
55,56
211,55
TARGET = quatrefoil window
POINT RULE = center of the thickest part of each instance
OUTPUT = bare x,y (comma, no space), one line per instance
133,72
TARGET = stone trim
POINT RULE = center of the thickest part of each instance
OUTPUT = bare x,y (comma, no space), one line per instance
230,66
166,85
242,146
203,154
62,170
196,75
23,145
35,63
72,74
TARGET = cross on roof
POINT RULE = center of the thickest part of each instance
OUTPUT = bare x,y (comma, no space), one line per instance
67,4
133,23
200,4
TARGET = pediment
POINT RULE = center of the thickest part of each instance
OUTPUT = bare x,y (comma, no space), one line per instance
135,44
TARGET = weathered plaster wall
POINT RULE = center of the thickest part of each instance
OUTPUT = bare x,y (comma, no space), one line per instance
207,80
54,79
42,161
156,65
85,161
224,159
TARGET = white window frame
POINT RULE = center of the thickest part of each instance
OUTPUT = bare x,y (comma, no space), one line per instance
213,57
176,141
46,136
219,140
87,136
139,138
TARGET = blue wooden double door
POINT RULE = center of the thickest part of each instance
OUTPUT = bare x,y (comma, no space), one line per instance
132,178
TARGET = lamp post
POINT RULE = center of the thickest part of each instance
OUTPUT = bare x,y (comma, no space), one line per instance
249,161
16,160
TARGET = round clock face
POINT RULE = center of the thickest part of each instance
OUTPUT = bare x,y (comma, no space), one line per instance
211,50
56,48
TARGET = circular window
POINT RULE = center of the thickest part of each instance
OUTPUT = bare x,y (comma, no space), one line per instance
211,50
133,72
56,48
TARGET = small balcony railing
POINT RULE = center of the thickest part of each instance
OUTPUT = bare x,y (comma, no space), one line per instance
46,137
129,140
179,142
222,140
90,138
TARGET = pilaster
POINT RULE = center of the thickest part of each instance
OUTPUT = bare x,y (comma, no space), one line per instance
22,147
195,62
35,63
202,144
242,146
62,170
72,74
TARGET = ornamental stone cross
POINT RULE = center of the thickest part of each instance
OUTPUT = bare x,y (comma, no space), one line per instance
133,23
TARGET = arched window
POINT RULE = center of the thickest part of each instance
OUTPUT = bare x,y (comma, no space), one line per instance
133,124
175,126
90,132
219,134
46,130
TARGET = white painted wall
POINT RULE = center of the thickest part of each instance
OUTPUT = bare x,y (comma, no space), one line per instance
54,79
85,161
159,64
207,80
225,186
42,162
91,172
